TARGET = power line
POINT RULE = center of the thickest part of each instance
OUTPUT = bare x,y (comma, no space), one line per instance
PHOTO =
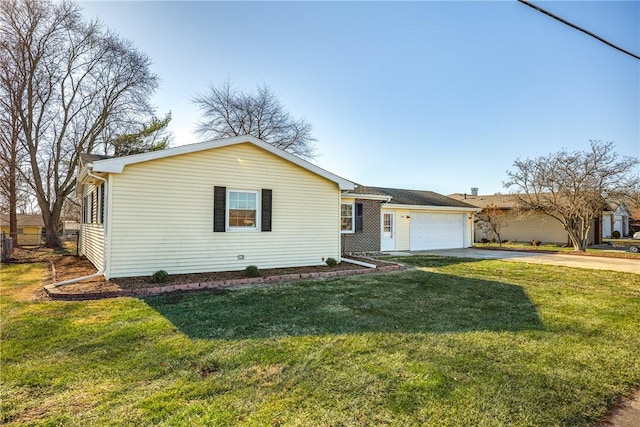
564,21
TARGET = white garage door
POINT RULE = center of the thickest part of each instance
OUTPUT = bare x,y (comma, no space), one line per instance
436,231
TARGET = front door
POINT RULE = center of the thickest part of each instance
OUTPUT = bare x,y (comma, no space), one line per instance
388,235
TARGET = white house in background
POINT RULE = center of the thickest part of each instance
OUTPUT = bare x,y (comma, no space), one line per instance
213,206
616,218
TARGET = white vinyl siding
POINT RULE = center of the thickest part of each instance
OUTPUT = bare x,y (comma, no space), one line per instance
161,214
403,224
91,233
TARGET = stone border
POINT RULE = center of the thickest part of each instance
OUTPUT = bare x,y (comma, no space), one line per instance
56,293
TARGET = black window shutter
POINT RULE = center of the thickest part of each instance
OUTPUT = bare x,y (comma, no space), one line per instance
359,220
219,208
102,206
94,205
266,210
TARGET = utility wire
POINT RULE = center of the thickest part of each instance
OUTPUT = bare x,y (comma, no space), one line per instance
564,21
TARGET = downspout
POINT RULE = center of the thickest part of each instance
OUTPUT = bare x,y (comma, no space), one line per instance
77,279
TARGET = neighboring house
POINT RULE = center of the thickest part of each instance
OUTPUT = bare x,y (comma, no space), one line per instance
634,221
616,218
29,228
389,219
213,206
515,226
526,227
70,227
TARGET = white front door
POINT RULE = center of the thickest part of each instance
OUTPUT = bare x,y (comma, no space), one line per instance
388,232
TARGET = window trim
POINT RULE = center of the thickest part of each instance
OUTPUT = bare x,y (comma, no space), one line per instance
257,227
353,219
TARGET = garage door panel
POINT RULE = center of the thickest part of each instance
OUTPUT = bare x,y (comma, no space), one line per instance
436,231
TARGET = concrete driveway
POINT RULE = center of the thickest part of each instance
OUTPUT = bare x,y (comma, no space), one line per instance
598,263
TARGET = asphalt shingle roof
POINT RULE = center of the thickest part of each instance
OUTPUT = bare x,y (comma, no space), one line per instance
412,197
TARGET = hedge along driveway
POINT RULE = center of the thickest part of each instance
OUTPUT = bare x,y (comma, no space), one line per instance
457,342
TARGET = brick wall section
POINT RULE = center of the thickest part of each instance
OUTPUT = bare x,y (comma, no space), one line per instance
368,240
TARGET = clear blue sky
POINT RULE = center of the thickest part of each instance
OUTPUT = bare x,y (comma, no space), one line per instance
439,96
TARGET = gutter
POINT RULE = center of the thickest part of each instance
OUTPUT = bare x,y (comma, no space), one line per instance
380,197
432,208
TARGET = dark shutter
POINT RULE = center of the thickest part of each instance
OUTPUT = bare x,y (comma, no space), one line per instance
359,220
266,210
85,209
102,206
94,203
219,208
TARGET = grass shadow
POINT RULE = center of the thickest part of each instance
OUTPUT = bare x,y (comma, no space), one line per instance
411,302
428,260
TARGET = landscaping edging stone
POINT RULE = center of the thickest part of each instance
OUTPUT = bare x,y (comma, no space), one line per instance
57,293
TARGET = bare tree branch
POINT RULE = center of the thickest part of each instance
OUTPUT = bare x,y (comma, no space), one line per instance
574,187
75,83
228,112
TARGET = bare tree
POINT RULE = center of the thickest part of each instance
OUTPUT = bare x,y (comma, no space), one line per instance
75,83
491,219
574,187
11,152
229,112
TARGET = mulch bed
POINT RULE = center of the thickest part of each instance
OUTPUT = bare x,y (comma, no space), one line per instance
64,267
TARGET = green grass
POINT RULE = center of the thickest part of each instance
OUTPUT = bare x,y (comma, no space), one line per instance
454,342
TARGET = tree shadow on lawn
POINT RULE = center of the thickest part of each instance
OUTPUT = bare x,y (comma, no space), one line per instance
409,302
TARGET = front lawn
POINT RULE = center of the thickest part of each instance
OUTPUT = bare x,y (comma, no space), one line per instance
455,342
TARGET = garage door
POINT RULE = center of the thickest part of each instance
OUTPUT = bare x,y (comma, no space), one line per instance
436,231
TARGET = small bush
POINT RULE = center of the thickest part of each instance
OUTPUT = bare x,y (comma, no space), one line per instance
536,243
331,262
160,276
252,271
615,234
484,240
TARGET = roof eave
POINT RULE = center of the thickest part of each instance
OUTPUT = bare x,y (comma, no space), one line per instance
116,165
381,197
432,208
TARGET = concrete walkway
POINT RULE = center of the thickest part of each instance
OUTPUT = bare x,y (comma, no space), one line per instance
578,261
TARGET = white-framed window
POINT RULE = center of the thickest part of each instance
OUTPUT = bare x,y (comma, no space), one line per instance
347,218
242,210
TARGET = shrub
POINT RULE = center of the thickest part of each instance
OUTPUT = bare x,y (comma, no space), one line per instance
536,243
484,240
252,271
160,276
331,262
615,234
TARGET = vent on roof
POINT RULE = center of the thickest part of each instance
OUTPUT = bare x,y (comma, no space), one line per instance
474,191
